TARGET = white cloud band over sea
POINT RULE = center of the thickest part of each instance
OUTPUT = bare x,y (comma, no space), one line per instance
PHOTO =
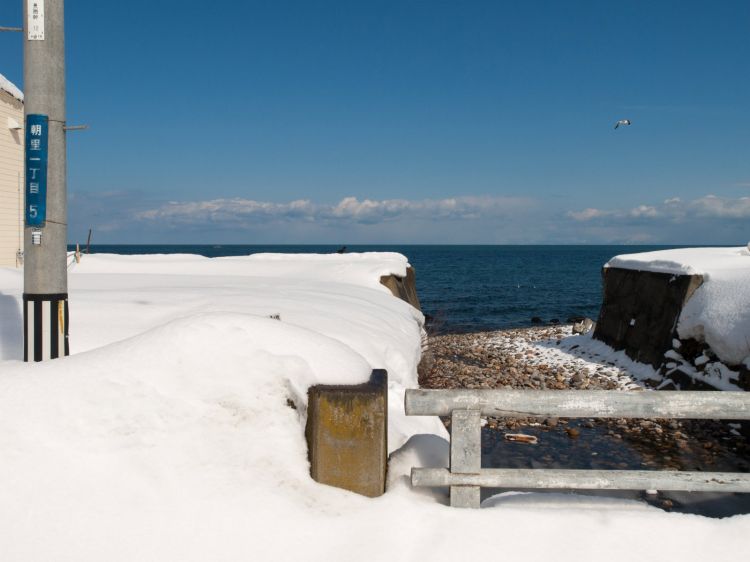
132,217
674,209
348,210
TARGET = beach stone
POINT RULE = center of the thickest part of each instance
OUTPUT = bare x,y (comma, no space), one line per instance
686,382
583,326
691,348
743,380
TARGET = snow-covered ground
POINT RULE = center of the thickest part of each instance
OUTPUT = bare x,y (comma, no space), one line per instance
718,313
166,436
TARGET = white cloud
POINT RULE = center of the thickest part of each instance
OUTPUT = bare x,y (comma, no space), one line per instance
132,216
644,211
674,209
587,214
704,220
349,210
590,213
711,206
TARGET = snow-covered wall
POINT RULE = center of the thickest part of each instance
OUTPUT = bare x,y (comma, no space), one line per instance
332,309
640,309
700,294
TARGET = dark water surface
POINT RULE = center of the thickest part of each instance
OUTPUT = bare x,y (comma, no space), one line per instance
471,288
597,447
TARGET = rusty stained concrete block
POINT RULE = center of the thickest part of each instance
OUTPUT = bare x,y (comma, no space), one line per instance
347,430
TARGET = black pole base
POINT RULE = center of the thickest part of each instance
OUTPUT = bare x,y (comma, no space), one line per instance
45,327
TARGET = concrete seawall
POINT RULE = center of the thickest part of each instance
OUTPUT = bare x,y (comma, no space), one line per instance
640,310
404,288
639,315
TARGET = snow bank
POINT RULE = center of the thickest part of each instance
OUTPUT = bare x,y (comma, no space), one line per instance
719,311
167,436
719,314
685,261
339,297
8,86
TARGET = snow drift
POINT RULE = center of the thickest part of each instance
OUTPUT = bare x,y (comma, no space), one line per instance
167,435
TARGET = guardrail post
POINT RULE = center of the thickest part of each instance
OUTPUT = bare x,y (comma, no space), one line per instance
466,455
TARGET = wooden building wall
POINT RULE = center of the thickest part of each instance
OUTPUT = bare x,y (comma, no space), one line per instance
11,180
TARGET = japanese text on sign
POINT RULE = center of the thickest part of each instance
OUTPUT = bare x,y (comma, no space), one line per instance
35,20
36,169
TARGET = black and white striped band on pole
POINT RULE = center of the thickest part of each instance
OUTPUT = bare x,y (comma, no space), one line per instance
45,324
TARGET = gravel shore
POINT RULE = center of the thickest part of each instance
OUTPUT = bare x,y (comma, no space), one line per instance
541,358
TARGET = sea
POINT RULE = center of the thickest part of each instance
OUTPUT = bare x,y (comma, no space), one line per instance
470,288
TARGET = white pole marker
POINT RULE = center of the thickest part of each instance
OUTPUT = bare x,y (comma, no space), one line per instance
35,24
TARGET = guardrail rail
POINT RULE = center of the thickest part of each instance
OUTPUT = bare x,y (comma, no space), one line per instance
465,477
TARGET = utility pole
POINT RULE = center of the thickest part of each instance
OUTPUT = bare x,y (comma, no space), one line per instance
45,297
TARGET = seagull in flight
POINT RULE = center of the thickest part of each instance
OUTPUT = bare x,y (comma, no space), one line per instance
622,122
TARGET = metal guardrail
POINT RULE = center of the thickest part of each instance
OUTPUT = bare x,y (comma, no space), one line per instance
466,407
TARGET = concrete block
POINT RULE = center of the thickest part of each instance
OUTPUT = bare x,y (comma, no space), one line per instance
347,430
404,288
640,311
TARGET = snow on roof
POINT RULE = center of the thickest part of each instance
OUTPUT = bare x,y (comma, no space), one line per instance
719,310
8,86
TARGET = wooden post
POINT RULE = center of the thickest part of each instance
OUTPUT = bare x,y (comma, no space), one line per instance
466,455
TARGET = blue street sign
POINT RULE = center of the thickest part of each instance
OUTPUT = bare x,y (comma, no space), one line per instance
36,169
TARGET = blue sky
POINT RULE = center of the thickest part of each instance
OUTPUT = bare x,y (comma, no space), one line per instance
406,122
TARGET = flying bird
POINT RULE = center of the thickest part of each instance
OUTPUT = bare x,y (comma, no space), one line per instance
622,122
